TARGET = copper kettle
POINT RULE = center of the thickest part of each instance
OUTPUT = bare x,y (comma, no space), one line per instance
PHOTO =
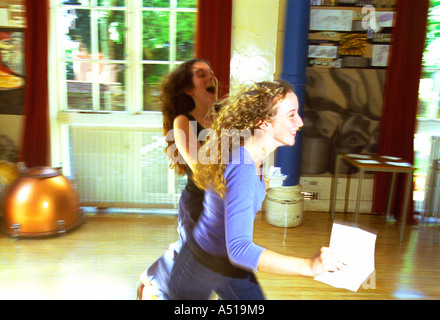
40,202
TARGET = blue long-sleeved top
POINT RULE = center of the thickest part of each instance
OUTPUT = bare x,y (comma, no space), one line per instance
226,227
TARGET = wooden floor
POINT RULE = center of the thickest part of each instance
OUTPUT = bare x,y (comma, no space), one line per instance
103,258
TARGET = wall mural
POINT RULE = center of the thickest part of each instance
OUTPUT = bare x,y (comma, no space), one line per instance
12,24
11,71
8,149
342,111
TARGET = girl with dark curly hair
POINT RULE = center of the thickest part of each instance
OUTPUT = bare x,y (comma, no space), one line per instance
188,94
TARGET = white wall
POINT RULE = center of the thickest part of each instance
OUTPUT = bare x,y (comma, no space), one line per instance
254,40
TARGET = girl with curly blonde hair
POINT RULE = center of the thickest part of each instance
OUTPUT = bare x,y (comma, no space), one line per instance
242,114
220,255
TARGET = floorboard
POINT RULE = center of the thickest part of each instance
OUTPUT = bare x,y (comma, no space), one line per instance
103,258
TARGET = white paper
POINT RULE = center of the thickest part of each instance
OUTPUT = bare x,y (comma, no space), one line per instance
275,177
274,172
385,19
390,158
367,161
399,164
4,20
335,20
317,51
380,55
359,156
357,247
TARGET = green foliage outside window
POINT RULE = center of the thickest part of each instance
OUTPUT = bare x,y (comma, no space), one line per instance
162,44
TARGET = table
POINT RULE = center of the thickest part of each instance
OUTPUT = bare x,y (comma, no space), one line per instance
375,163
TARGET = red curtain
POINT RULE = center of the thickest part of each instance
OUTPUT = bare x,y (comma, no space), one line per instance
213,38
36,144
398,122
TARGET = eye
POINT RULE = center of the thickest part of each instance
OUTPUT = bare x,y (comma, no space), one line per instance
200,73
203,73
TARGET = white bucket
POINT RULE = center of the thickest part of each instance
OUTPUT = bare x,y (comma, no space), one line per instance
284,206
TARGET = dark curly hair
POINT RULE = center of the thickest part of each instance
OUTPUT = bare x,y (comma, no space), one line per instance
174,101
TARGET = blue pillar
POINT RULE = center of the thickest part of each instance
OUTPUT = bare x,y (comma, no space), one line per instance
294,72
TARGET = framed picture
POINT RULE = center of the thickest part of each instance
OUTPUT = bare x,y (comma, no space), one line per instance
12,70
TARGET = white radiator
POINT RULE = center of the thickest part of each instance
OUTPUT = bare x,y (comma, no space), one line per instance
122,167
432,196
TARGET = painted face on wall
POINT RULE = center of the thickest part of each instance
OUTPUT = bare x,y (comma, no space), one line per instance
287,120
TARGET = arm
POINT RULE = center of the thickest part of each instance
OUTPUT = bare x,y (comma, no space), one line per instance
239,222
323,261
186,140
240,216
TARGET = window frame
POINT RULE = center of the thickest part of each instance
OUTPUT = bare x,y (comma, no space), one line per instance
133,115
133,63
426,128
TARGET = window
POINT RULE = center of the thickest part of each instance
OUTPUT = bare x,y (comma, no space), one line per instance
106,60
427,137
112,53
430,80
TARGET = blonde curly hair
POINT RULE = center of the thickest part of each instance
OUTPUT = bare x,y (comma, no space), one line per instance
244,110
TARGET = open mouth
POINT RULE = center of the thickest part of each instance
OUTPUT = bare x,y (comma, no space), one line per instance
211,89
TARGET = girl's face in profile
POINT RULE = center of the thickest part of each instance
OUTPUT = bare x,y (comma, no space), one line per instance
287,120
205,88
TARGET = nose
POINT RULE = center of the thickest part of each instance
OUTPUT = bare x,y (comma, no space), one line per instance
299,121
214,78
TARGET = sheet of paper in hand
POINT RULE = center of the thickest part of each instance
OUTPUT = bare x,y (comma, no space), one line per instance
357,247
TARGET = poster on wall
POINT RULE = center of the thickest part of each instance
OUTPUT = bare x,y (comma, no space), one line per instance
12,71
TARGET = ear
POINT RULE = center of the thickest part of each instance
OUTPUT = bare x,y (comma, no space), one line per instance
189,91
265,125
